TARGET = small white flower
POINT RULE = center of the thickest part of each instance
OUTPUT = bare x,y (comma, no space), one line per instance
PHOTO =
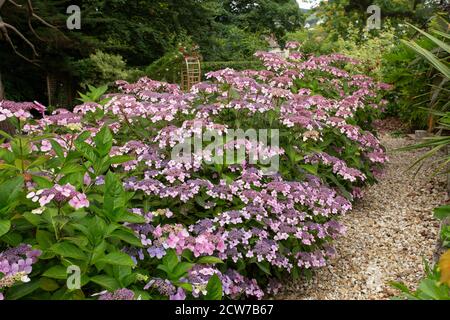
99,293
31,195
38,210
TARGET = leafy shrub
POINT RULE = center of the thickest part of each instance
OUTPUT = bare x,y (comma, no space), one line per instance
409,76
232,43
421,83
314,41
102,68
167,68
140,223
40,204
369,48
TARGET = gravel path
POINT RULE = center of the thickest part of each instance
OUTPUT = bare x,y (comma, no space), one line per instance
388,233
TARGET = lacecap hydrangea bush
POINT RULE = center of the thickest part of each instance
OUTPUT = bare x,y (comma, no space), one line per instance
93,205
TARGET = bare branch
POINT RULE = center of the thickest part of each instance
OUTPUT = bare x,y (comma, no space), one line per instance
16,4
6,25
8,39
31,14
34,31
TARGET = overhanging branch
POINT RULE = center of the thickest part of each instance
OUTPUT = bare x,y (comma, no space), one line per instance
6,27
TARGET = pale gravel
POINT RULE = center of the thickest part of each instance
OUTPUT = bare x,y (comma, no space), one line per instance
389,233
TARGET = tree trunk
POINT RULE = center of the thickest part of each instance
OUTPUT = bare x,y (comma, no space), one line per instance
5,125
2,88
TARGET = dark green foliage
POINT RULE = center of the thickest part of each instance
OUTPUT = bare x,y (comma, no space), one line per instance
410,77
338,14
167,68
263,16
231,43
420,87
136,33
102,68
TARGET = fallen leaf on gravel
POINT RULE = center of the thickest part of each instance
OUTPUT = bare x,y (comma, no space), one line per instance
444,266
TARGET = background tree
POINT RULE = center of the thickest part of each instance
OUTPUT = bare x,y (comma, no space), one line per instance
263,16
136,32
338,14
25,35
19,40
